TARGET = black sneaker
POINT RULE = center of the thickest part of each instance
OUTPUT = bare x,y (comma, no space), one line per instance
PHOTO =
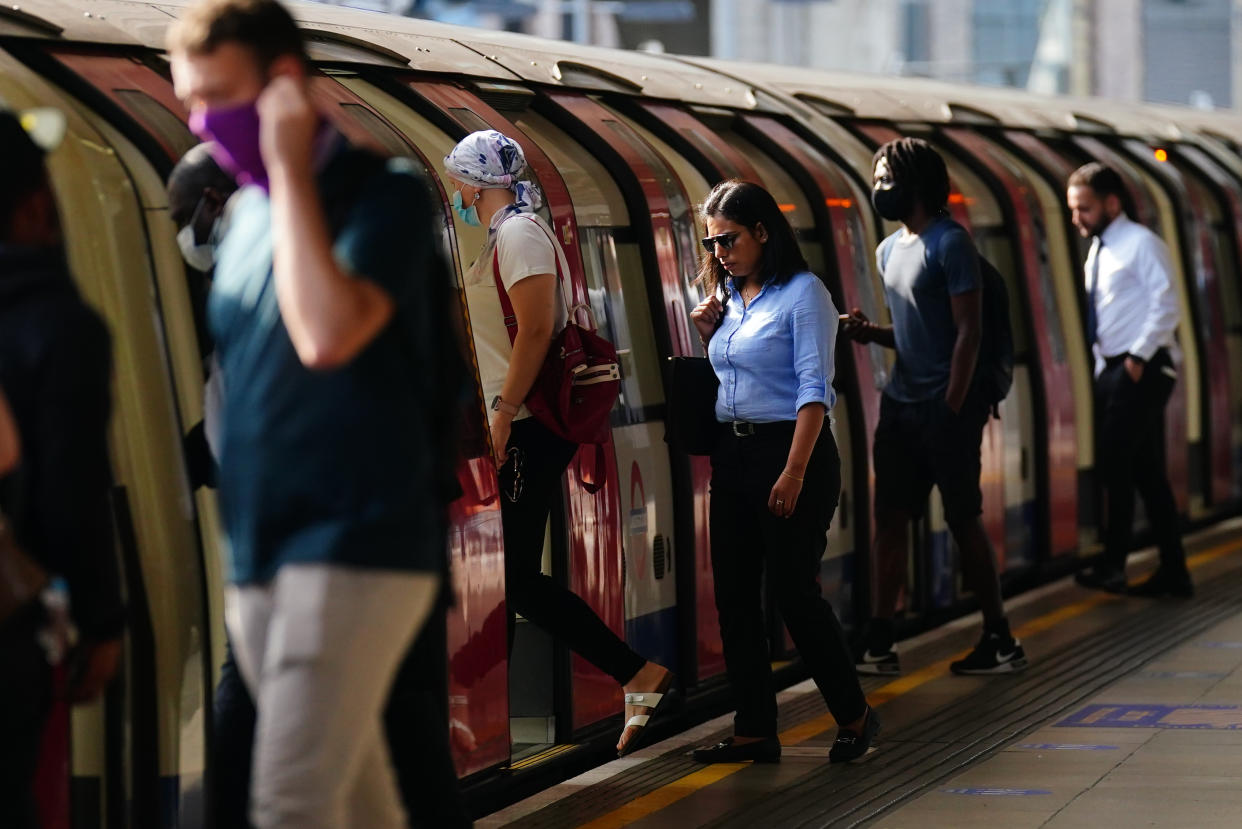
849,745
767,750
1165,583
1108,579
877,663
993,655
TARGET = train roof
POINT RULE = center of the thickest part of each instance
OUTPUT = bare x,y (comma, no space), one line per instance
344,35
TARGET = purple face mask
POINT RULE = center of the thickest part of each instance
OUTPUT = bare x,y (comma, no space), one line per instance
234,132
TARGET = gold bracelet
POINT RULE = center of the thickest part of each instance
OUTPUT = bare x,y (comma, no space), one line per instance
795,477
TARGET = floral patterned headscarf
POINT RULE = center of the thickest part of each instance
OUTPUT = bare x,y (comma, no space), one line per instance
492,160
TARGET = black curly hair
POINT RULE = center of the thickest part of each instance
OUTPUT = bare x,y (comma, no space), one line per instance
915,164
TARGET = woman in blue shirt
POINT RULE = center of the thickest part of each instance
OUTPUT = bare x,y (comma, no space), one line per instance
769,326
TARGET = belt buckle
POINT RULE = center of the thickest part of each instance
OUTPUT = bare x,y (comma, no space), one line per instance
742,429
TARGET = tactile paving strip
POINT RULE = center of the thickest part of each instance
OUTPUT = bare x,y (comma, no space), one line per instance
978,725
964,732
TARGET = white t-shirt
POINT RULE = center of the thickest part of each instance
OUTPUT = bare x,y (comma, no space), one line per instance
526,249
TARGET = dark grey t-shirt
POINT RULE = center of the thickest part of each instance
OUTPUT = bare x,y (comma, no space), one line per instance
920,274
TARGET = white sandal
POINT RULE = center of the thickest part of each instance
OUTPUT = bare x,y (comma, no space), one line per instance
651,700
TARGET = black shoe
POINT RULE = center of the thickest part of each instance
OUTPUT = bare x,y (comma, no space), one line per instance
849,745
993,655
1102,578
877,663
1165,583
767,750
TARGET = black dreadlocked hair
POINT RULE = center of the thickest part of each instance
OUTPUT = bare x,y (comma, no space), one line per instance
915,164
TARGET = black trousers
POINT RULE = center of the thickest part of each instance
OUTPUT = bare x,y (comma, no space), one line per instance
528,484
25,700
415,722
747,540
1131,455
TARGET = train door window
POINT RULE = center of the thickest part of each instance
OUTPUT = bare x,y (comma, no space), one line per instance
789,197
614,270
383,133
158,118
1226,230
988,228
685,193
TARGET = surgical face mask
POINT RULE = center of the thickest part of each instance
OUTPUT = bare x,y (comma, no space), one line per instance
234,132
893,203
469,215
199,257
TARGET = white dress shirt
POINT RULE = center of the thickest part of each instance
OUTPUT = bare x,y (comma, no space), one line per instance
1136,305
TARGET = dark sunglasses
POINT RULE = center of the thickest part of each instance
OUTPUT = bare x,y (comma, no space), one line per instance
725,240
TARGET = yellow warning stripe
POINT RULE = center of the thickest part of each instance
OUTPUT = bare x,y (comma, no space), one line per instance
922,676
546,754
664,796
670,793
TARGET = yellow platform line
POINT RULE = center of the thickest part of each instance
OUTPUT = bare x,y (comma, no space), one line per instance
546,754
670,793
664,796
906,684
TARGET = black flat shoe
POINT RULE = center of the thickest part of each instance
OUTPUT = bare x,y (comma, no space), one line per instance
1161,584
850,745
1102,578
767,750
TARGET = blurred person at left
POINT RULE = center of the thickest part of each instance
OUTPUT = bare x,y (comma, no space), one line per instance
55,371
331,476
199,204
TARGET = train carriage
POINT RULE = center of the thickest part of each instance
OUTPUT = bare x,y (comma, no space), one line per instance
624,145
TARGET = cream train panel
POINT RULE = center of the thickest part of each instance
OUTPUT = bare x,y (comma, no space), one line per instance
1060,255
646,520
182,356
1190,373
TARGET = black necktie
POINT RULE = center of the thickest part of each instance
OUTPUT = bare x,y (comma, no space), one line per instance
1092,319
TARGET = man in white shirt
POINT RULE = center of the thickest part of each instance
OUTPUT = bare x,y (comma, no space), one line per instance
1132,314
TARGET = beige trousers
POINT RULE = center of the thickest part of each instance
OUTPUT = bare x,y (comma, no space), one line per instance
318,647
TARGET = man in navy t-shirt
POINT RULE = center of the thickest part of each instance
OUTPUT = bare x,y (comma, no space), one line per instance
931,416
328,488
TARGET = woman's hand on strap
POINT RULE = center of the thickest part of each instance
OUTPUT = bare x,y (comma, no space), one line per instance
706,317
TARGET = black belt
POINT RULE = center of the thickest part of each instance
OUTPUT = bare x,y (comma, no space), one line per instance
1112,362
743,429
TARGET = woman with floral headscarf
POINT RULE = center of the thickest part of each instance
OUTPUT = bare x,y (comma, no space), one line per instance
521,256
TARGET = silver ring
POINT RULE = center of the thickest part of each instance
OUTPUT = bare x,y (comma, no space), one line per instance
779,502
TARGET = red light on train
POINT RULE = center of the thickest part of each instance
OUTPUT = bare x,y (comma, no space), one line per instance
846,203
787,208
1162,155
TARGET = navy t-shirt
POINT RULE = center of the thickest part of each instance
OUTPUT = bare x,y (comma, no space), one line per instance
921,273
326,466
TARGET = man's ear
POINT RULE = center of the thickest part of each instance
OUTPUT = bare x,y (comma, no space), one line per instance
290,65
1113,206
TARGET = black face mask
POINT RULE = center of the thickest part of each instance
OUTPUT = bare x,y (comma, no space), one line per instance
893,203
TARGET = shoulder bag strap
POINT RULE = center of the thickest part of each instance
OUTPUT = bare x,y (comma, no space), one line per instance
506,305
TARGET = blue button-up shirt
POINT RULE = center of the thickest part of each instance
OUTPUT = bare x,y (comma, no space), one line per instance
776,355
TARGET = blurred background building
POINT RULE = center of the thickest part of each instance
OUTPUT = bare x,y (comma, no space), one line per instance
1180,51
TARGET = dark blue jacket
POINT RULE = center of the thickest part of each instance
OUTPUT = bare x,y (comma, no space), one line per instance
55,369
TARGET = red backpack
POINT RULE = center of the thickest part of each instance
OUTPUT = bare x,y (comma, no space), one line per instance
580,378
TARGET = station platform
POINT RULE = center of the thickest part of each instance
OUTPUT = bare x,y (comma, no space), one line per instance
1130,713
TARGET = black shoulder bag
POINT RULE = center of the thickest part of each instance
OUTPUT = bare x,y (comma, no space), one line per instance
690,425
